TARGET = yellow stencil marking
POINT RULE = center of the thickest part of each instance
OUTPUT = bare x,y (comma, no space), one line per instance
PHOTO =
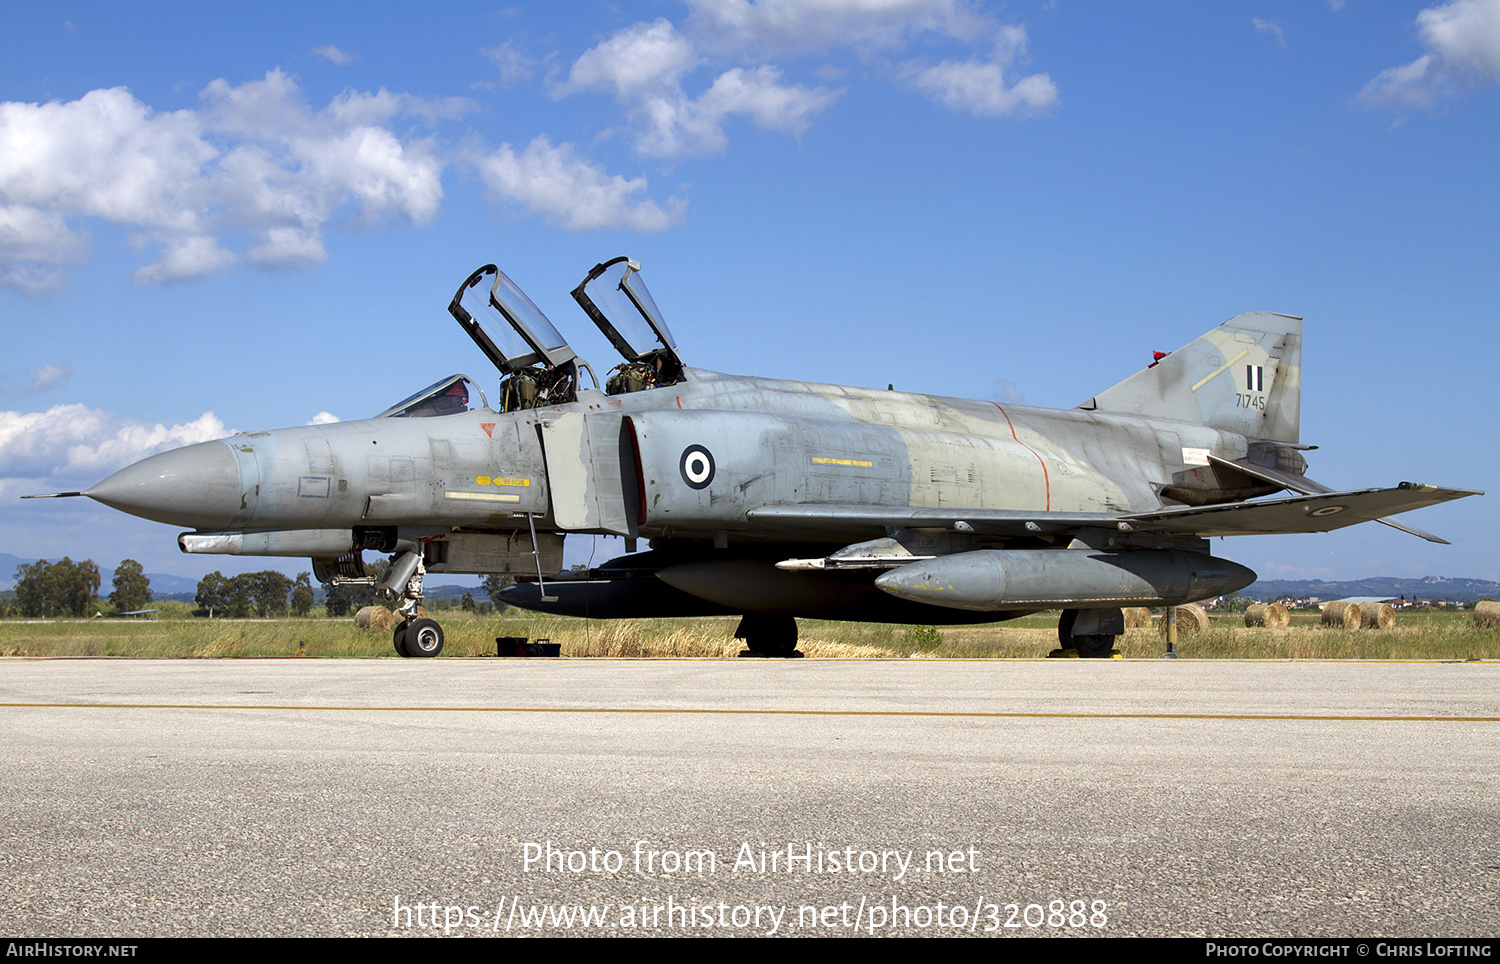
1217,371
843,462
482,496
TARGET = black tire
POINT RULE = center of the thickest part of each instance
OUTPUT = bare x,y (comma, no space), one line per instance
768,634
1100,646
1065,628
1094,647
398,637
424,638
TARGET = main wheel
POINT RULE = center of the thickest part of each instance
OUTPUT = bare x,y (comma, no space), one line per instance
1094,647
424,637
1065,628
1089,646
768,634
398,637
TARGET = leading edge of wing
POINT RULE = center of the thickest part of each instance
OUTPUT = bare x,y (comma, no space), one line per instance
1321,512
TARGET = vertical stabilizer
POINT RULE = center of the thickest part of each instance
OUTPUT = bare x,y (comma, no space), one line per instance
1244,376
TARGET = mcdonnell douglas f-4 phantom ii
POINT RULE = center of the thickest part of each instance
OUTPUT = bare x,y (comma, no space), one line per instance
773,499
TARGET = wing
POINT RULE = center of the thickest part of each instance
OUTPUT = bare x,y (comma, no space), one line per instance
1319,512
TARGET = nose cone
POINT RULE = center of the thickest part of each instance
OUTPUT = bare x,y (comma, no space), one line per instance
197,485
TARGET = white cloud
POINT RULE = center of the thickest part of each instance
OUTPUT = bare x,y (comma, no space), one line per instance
1007,391
49,375
795,25
185,258
570,192
979,87
334,55
1270,28
515,66
34,247
80,445
639,59
643,66
759,95
255,159
1463,43
323,418
671,125
647,67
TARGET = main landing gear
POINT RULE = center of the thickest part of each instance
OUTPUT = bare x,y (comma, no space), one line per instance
1090,632
768,634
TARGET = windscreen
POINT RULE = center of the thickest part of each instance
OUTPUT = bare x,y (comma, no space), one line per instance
448,396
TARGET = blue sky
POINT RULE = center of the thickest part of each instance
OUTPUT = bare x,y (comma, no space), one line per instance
217,219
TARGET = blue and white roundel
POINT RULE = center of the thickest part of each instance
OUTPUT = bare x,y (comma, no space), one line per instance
697,467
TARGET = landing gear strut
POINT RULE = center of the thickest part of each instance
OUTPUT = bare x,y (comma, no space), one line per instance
413,636
768,634
1100,627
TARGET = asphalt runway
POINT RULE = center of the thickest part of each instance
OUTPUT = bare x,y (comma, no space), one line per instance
746,797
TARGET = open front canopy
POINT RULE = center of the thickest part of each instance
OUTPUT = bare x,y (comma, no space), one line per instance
521,336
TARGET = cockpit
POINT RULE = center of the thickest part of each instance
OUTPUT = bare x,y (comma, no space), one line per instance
447,396
537,366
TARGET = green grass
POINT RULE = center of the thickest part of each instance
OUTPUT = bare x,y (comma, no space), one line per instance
1423,635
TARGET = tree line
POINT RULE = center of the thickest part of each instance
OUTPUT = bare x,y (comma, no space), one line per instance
266,593
68,588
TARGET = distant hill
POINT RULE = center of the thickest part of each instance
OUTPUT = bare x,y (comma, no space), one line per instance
1428,587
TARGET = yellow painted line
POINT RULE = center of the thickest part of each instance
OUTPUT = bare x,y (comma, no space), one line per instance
1220,370
690,711
843,462
482,496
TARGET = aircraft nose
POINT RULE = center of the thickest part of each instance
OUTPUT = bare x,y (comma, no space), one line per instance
196,485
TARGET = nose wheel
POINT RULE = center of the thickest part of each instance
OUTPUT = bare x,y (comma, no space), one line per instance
417,638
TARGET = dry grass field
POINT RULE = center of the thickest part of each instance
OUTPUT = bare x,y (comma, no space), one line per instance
1423,635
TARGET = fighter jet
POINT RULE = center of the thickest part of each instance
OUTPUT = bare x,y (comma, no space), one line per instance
771,499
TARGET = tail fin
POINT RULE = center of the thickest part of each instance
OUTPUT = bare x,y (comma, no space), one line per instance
1244,376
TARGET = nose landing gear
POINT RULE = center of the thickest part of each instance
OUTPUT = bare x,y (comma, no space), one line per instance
413,636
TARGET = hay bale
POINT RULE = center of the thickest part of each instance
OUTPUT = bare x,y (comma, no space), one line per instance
1137,617
1268,616
1487,614
1192,619
1340,615
1377,616
375,618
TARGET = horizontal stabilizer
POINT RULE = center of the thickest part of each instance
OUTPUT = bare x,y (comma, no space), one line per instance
1322,512
1302,485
